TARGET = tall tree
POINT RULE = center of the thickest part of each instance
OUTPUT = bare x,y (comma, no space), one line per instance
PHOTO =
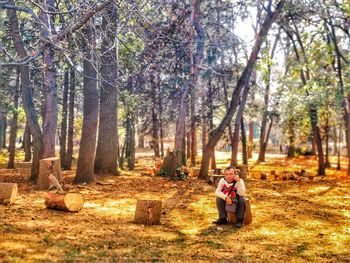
85,166
49,88
107,150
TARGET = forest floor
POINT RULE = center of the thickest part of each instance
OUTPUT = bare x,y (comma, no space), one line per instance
293,220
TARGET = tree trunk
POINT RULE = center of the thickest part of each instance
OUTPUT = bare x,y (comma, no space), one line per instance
339,148
250,139
188,145
70,144
291,137
161,128
239,116
204,125
243,81
27,144
326,130
130,142
49,89
211,121
85,166
27,98
317,138
63,137
244,143
14,124
155,121
193,154
335,141
3,128
107,150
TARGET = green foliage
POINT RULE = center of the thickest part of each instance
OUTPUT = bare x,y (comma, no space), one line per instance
130,47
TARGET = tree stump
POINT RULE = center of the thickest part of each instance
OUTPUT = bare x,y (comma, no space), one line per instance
70,202
169,165
46,167
243,170
248,217
8,193
148,212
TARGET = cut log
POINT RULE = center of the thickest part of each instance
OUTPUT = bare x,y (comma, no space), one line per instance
8,193
71,202
148,212
243,170
248,218
46,167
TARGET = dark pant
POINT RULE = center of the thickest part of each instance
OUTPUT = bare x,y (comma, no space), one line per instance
221,204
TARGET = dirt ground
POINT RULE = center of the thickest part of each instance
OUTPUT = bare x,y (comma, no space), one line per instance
293,220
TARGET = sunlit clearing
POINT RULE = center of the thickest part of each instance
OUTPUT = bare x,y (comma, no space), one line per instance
318,189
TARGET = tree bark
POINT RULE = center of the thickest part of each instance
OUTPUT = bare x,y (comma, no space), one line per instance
291,137
244,143
211,121
130,142
85,166
155,121
70,144
250,139
239,116
49,88
27,144
14,124
63,136
107,150
193,145
243,81
188,145
161,128
3,128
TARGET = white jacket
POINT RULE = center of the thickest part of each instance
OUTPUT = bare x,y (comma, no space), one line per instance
223,184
